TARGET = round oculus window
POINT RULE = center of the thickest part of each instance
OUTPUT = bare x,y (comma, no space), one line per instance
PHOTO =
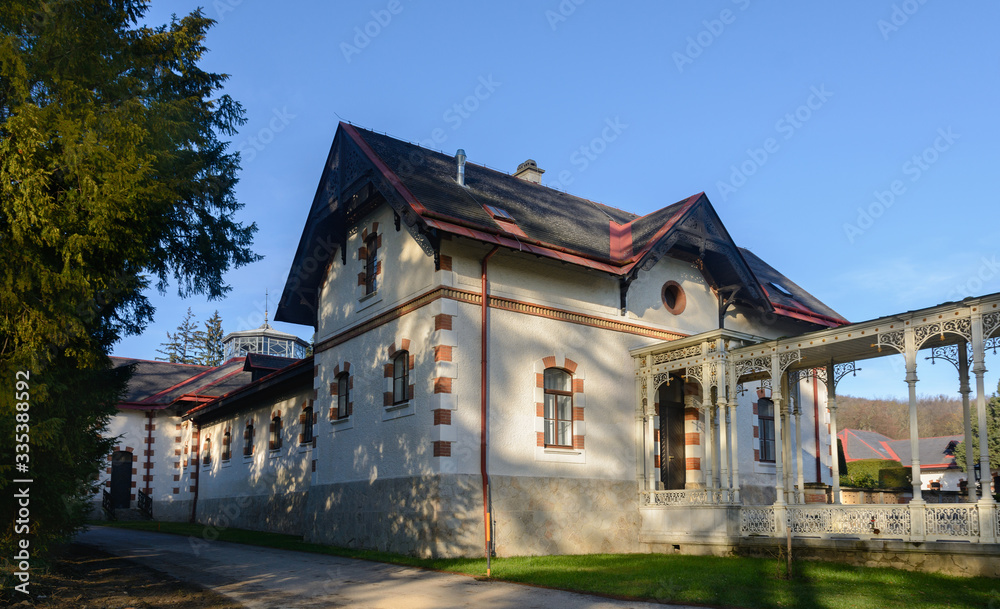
673,297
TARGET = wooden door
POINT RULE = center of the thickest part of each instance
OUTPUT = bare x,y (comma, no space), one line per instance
672,453
121,479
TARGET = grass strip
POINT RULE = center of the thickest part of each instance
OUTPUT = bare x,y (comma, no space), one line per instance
755,583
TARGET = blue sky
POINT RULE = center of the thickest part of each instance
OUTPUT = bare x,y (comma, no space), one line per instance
852,145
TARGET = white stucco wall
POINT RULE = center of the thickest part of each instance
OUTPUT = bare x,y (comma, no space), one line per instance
378,441
130,427
406,272
285,470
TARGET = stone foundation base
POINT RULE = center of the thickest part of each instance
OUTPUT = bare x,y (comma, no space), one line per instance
427,516
962,559
539,516
273,513
442,516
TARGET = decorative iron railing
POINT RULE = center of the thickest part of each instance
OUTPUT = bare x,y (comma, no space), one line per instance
689,497
757,521
854,521
108,506
145,504
951,521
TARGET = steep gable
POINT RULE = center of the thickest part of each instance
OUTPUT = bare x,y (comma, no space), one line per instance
366,169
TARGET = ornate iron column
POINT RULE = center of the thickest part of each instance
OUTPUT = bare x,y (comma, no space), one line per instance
965,389
706,409
779,460
724,481
736,454
979,369
910,352
831,406
799,478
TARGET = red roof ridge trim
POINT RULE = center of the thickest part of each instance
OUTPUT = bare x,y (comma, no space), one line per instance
217,381
383,168
621,240
250,385
685,208
150,399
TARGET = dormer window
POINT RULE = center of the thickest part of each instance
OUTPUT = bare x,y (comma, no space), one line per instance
780,289
498,213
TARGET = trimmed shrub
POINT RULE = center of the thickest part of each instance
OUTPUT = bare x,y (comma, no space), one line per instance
895,477
866,473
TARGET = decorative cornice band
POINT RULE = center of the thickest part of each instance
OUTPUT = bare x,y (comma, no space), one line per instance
505,304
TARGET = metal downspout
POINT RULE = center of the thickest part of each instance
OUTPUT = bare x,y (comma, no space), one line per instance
487,516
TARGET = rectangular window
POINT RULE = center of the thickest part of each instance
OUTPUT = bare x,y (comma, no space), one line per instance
558,408
371,264
274,437
248,440
343,395
400,377
765,410
306,420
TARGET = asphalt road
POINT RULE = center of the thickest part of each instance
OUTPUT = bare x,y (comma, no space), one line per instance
263,578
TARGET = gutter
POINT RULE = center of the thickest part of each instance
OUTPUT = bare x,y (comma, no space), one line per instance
484,429
196,453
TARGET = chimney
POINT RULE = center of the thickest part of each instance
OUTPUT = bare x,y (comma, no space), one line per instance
529,172
460,159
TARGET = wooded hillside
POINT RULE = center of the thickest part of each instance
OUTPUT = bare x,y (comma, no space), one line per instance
939,415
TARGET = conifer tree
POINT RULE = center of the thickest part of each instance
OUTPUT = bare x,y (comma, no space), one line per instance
113,177
210,348
184,346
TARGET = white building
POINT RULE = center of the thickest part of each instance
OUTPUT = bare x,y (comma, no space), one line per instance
491,350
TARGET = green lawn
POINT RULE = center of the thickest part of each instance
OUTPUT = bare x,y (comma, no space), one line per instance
729,582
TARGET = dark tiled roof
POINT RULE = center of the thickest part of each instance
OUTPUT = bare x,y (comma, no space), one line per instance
543,213
646,227
799,299
935,451
263,361
151,377
547,222
215,382
932,451
860,444
162,383
231,381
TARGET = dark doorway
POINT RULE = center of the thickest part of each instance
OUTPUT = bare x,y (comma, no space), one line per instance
672,455
121,479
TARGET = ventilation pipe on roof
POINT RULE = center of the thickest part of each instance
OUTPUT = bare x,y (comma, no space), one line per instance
460,158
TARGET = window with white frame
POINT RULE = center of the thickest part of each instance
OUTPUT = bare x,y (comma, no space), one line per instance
558,386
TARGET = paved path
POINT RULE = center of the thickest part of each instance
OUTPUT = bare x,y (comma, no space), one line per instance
263,578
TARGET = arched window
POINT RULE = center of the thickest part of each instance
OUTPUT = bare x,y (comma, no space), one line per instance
371,264
274,441
765,414
248,439
206,451
227,443
343,395
400,377
558,385
306,421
